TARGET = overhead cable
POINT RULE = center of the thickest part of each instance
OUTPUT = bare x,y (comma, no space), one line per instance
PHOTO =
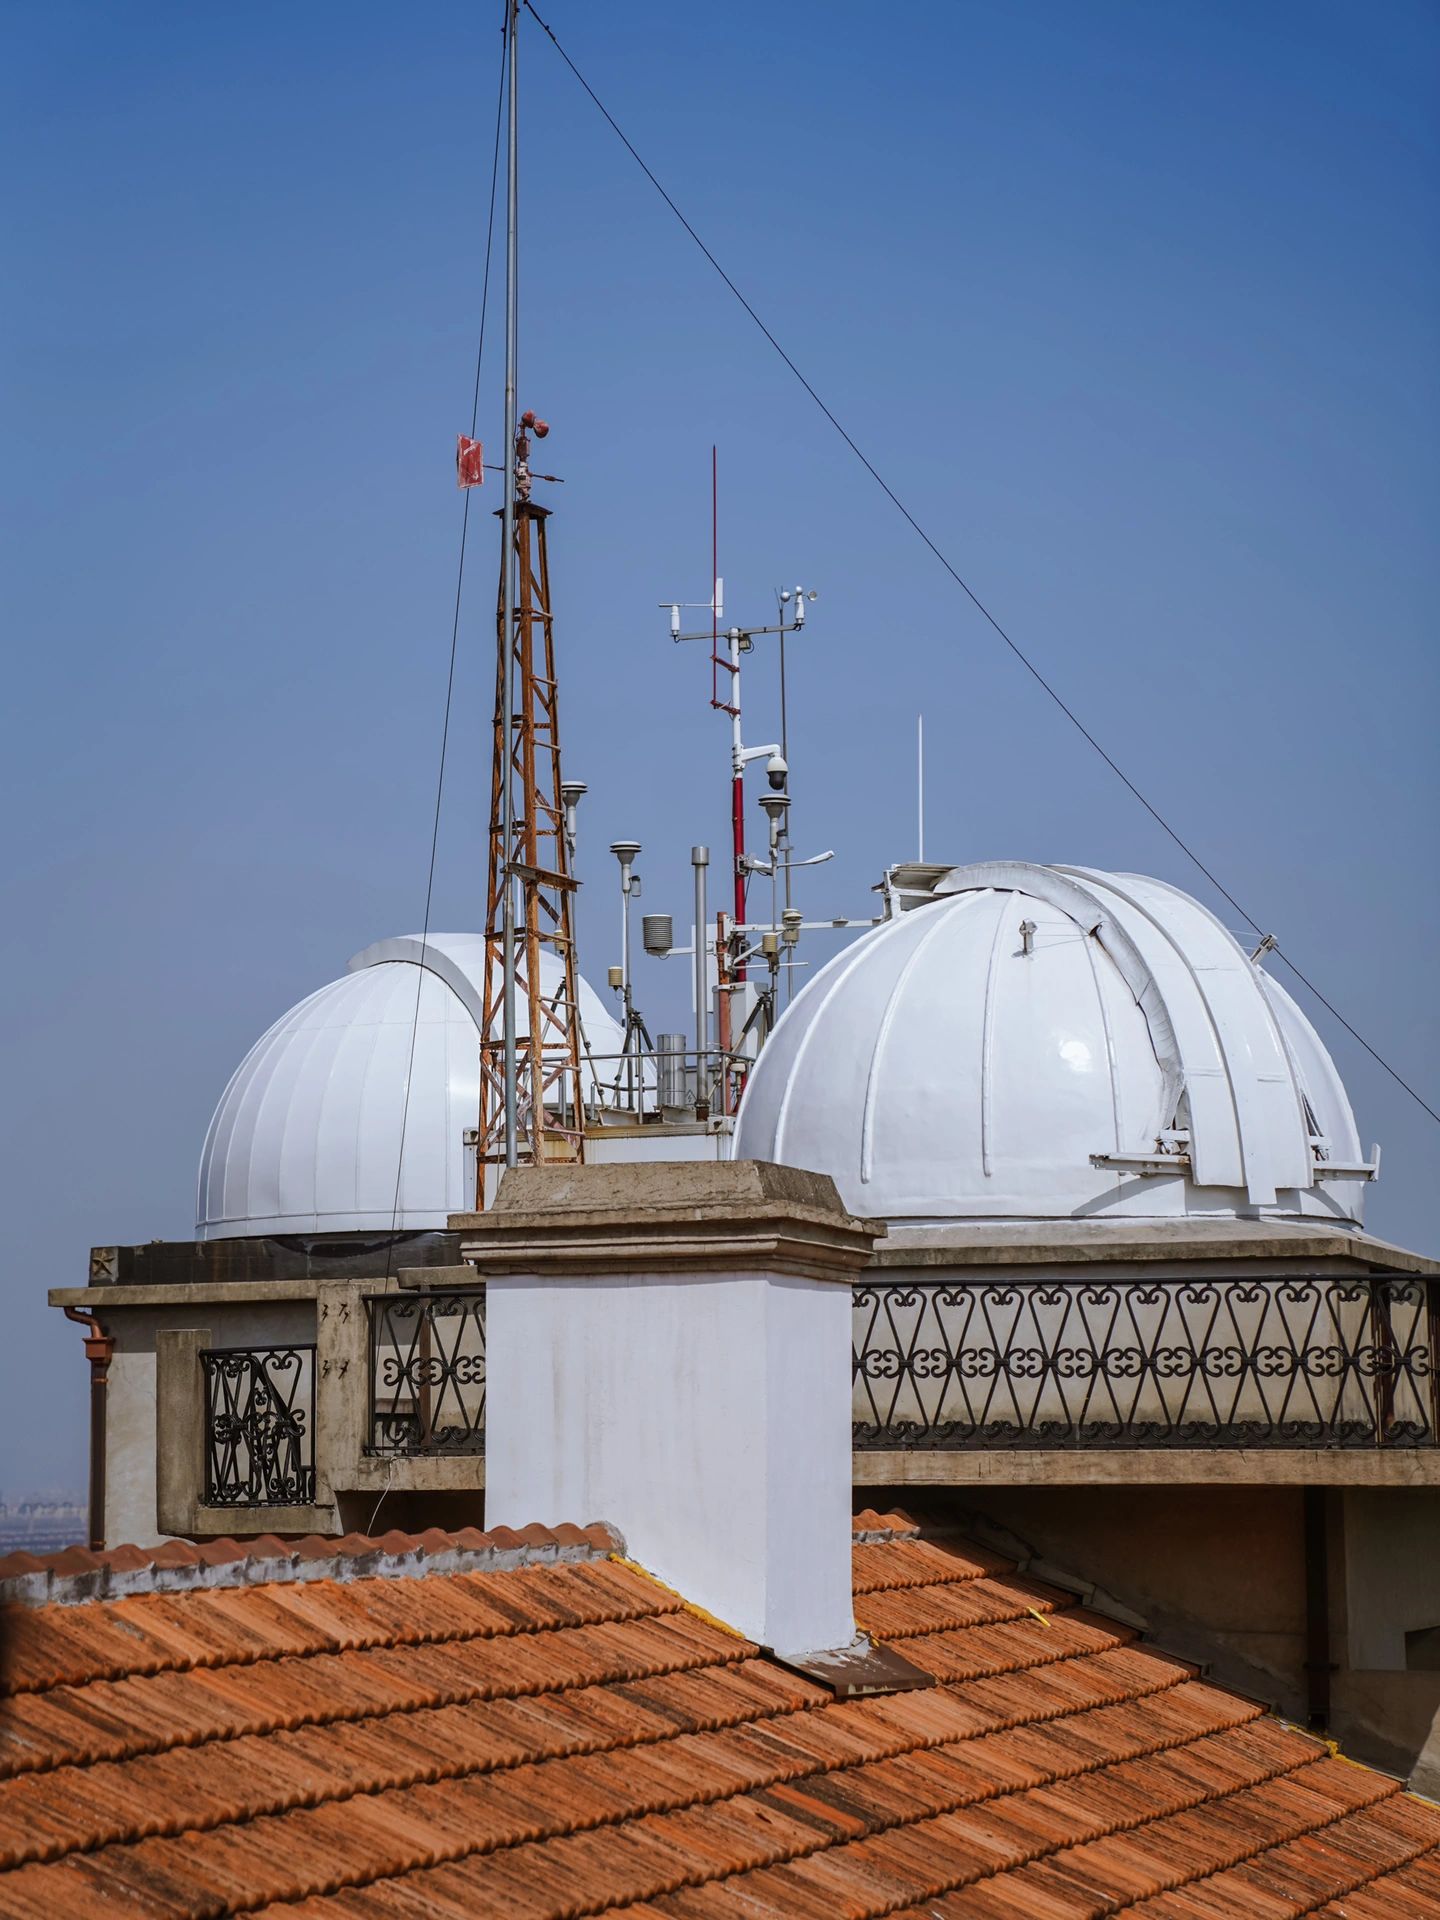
961,582
450,676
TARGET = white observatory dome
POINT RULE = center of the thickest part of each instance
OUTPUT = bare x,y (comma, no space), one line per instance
306,1138
976,1056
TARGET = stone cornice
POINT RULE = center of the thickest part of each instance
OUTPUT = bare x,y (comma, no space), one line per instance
1055,1243
668,1217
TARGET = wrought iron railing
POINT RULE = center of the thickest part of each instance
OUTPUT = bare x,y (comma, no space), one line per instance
259,1426
1277,1362
427,1373
1233,1362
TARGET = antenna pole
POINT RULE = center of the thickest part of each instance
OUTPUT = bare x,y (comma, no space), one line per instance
737,785
507,640
732,705
784,851
920,784
700,860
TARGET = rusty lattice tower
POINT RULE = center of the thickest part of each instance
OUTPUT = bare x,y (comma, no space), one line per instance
549,1108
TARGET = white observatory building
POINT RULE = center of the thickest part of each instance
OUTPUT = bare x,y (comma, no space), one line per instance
1031,1043
307,1138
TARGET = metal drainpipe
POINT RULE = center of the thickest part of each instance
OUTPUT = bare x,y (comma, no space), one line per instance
99,1346
1318,1665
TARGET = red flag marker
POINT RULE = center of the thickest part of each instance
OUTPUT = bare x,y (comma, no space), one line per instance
469,463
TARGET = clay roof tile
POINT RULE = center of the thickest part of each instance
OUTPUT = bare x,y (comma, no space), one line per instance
315,1546
12,1565
398,1543
474,1541
269,1546
174,1553
75,1560
117,1559
220,1553
354,1544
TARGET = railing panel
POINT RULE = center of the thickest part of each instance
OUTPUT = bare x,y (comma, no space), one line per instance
1238,1362
1278,1362
427,1373
259,1426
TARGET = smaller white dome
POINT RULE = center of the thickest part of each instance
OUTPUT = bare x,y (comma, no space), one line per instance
307,1136
973,1057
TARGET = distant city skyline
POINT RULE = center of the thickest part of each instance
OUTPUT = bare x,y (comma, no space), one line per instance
1137,308
39,1523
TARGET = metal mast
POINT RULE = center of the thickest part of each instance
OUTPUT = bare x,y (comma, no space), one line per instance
507,625
530,1094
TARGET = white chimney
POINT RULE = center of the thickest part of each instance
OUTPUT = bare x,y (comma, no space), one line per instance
668,1348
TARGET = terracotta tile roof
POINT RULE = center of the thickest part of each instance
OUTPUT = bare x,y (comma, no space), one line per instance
563,1737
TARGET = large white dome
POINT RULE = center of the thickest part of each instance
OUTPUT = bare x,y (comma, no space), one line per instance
306,1138
952,1064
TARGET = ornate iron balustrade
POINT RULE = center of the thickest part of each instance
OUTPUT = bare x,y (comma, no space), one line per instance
259,1426
1226,1362
1279,1362
427,1373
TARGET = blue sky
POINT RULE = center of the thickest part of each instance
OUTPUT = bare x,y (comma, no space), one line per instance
1135,304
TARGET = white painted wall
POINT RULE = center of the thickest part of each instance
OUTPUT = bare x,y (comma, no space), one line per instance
707,1416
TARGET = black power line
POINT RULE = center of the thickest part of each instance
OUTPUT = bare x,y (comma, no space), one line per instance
964,585
450,677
